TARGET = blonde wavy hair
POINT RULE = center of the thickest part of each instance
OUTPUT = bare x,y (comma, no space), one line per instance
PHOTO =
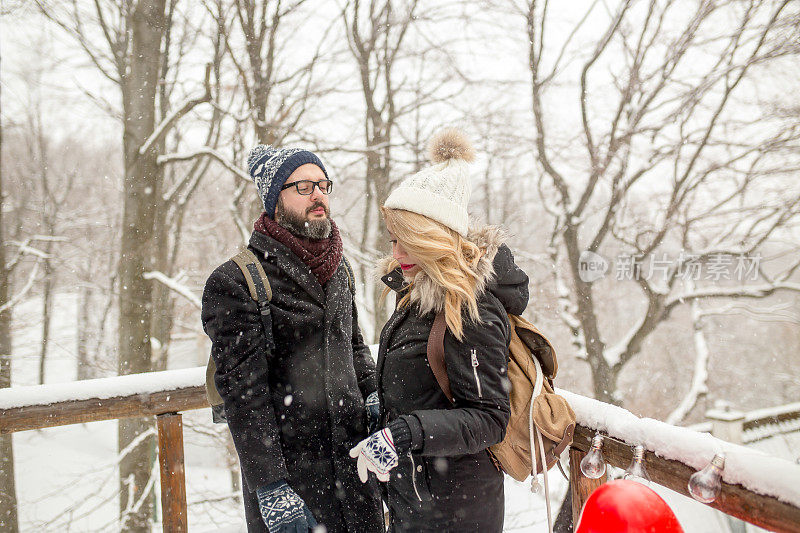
447,259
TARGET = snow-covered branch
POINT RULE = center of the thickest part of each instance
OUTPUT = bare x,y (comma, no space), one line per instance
133,506
21,294
174,284
754,291
164,126
25,248
186,156
567,309
613,354
771,313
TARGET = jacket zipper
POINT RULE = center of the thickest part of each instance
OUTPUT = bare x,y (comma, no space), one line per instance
414,476
475,372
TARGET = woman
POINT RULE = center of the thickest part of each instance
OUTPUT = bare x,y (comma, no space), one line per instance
433,452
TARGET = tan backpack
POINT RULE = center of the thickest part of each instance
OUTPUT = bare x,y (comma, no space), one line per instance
528,448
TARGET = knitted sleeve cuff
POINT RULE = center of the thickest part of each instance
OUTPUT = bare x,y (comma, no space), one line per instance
406,433
265,490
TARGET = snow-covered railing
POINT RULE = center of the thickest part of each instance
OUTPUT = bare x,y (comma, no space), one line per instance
757,488
159,394
763,423
91,400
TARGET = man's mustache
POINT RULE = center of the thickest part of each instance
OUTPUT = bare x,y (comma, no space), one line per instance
316,205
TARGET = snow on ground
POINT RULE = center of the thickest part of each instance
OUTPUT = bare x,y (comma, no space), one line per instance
27,340
67,479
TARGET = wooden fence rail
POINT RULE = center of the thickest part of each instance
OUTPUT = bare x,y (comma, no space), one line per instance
763,511
44,406
771,504
166,394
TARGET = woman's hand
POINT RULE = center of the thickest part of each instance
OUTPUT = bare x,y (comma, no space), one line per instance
375,454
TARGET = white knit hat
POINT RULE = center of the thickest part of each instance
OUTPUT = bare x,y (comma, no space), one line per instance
440,192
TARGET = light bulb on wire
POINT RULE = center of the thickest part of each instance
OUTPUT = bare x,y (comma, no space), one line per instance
593,465
704,486
636,471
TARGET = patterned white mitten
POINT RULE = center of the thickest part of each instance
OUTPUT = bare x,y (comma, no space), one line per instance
375,454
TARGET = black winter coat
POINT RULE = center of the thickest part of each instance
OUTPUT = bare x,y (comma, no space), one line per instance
295,411
451,483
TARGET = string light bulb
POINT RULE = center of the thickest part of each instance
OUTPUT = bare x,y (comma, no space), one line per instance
704,486
593,465
636,471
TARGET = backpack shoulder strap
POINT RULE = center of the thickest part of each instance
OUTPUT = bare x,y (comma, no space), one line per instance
351,277
254,275
435,352
259,287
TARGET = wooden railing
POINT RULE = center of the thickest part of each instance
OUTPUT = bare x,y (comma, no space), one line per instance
160,394
748,498
165,394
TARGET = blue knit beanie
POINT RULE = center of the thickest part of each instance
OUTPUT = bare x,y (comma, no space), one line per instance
270,168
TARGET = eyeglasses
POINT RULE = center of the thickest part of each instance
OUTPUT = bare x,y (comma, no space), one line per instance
306,187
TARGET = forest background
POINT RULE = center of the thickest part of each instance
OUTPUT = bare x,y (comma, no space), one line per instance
643,156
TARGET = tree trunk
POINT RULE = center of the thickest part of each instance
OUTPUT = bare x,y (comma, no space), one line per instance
8,491
162,306
381,314
142,190
603,377
47,308
85,368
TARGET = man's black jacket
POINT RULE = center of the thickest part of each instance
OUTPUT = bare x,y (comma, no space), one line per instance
295,411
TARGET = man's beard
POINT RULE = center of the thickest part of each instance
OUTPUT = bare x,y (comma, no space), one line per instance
301,226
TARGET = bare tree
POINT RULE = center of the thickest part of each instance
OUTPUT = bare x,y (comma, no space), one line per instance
181,182
133,37
399,75
276,98
662,118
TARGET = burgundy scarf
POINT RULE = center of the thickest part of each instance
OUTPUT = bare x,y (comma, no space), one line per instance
322,256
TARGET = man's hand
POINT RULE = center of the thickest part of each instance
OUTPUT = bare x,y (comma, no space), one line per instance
282,510
375,454
373,409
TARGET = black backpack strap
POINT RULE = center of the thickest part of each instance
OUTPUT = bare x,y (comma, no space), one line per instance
351,277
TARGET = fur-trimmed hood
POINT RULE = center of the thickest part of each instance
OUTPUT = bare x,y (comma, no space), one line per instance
496,271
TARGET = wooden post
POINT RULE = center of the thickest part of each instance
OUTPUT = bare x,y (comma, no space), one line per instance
173,478
580,485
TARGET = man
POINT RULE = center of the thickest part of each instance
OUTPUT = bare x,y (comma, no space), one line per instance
296,409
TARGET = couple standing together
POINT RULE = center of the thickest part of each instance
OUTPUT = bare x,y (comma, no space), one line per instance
311,416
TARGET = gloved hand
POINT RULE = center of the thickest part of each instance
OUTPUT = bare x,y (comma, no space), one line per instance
375,454
282,510
373,409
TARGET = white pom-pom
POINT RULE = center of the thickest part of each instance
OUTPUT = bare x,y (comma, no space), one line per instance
450,144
